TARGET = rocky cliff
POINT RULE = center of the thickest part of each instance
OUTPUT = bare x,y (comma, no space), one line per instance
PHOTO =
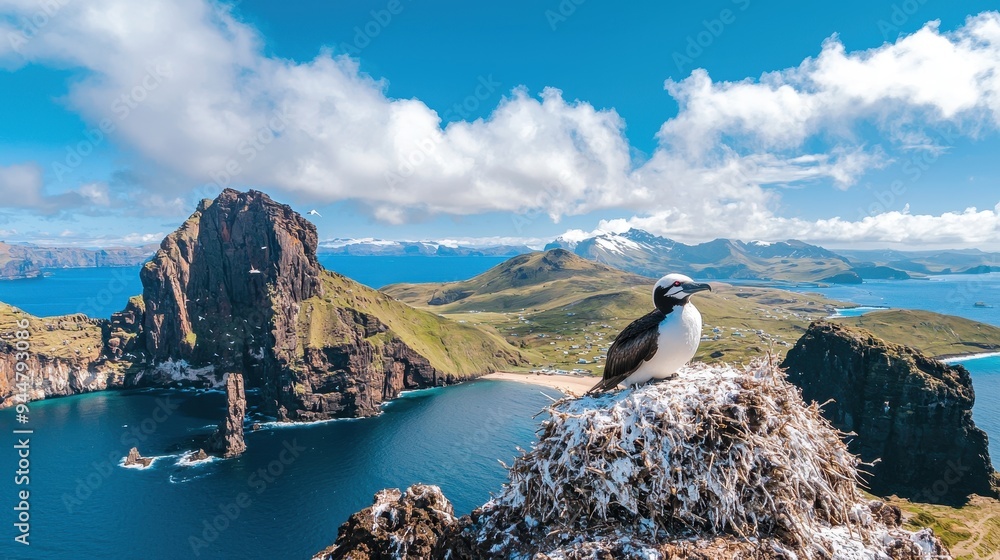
227,441
238,288
716,463
64,356
911,414
223,292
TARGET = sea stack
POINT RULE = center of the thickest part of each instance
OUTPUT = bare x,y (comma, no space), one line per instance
135,460
912,415
227,441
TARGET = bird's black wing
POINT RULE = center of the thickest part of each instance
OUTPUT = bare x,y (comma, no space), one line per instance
633,346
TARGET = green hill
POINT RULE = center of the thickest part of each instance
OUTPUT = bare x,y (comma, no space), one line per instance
457,349
565,309
933,333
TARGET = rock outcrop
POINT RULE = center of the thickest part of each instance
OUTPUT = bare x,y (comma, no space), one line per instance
716,463
911,414
134,459
421,519
64,357
227,441
238,288
225,288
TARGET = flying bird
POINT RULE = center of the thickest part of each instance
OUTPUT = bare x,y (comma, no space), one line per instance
315,213
254,270
656,345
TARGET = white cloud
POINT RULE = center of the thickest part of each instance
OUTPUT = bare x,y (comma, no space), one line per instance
924,79
22,186
214,109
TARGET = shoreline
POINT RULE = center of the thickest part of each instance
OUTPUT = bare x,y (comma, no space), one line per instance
952,358
566,384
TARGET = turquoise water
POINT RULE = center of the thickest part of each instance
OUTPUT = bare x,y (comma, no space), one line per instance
856,311
953,295
95,292
314,476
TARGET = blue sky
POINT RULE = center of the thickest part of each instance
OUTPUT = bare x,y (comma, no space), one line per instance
794,126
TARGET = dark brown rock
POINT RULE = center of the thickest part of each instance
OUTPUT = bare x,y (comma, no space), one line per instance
199,455
134,459
123,333
397,525
224,289
912,414
227,441
238,288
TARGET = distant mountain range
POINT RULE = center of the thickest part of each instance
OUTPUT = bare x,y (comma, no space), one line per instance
650,255
26,260
380,247
644,253
635,251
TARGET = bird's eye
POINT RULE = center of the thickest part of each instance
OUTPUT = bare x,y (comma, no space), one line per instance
677,283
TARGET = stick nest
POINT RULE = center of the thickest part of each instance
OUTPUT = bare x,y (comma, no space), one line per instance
717,452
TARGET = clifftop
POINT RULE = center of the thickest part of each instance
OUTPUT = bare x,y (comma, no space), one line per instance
716,463
911,413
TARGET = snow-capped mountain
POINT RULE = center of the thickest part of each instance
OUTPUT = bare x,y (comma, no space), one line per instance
641,252
382,247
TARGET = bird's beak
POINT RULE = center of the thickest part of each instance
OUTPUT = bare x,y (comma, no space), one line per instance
694,288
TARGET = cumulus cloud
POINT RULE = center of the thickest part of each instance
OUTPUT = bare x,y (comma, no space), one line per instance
214,110
22,186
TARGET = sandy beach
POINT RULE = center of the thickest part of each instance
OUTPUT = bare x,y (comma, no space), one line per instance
575,384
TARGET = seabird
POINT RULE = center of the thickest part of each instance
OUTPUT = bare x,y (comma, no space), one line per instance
315,213
254,270
656,345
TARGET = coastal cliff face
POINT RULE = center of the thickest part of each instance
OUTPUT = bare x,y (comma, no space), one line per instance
223,291
912,414
64,356
238,288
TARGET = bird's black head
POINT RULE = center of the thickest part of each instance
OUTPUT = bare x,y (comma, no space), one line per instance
675,289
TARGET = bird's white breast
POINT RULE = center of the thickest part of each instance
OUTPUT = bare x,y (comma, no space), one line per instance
680,333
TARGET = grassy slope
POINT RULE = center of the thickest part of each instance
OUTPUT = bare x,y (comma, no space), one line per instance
935,334
452,348
971,532
586,304
67,336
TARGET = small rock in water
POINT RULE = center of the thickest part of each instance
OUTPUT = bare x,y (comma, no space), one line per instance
134,459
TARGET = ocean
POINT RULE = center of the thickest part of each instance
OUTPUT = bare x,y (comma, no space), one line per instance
953,295
284,498
288,494
99,292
